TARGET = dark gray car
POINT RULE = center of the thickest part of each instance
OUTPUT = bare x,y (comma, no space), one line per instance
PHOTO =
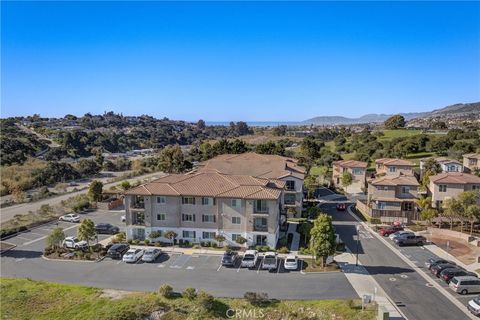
106,228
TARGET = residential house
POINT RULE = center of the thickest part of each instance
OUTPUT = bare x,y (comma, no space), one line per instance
447,165
392,198
449,185
264,166
393,166
199,205
357,169
471,162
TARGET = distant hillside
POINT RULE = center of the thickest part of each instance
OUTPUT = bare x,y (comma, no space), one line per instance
453,110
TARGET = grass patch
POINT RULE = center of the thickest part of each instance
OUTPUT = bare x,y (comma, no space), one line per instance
27,299
398,133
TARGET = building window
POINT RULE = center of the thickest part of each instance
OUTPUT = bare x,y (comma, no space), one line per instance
188,217
405,190
208,201
188,200
357,171
289,198
235,236
392,169
161,216
442,188
161,200
236,220
189,234
236,203
408,206
209,218
208,235
290,185
381,205
261,206
475,187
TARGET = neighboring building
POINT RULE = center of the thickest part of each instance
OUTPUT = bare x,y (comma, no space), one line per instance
356,168
447,165
471,162
392,166
392,198
199,205
263,166
451,184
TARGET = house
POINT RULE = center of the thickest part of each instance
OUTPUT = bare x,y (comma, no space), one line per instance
449,185
199,205
263,166
393,166
357,170
447,165
392,198
471,162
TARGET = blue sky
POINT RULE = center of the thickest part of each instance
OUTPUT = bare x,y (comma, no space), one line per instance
218,61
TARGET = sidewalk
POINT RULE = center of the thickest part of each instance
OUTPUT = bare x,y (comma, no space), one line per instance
292,228
365,284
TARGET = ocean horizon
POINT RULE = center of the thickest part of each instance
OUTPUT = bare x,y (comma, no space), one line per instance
255,123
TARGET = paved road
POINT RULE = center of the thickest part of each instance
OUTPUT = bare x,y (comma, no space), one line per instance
406,287
9,212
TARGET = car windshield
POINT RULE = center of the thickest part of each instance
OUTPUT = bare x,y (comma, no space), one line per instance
269,259
248,257
129,253
76,240
477,300
454,280
290,260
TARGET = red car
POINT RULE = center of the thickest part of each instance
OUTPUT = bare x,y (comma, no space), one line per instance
389,230
341,207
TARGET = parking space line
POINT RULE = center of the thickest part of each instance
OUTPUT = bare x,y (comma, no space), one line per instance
279,265
219,267
259,266
44,237
238,269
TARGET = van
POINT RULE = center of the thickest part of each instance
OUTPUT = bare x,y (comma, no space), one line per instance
465,284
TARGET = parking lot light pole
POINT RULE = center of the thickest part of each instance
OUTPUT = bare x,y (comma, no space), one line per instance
358,242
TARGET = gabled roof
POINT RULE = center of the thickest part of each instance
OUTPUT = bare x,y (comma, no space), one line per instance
472,155
394,162
400,180
207,184
454,178
350,163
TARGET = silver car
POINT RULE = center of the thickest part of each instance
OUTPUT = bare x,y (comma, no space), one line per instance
150,255
402,233
465,284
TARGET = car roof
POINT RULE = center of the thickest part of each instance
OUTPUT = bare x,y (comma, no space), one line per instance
467,278
117,245
251,252
70,238
291,256
270,253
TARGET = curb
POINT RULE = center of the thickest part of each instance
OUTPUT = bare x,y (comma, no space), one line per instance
71,260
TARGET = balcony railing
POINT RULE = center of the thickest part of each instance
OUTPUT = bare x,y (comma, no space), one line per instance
137,205
260,210
260,228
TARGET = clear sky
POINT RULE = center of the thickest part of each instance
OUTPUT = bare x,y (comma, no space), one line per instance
276,61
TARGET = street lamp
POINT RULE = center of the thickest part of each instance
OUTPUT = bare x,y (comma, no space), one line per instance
358,242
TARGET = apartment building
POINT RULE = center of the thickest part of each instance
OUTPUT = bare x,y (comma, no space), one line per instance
392,198
471,162
264,166
447,164
199,205
392,166
357,169
449,185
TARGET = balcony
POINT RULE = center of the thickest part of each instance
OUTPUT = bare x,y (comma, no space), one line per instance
260,228
138,219
137,205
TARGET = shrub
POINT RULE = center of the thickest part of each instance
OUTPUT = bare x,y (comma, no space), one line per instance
130,241
165,290
283,250
80,254
136,242
189,293
214,245
158,244
256,298
282,242
155,234
48,251
205,300
146,242
97,247
120,237
305,251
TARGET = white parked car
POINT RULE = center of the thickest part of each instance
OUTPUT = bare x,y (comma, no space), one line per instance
150,255
402,233
124,218
269,261
74,243
474,306
249,259
291,263
70,218
132,255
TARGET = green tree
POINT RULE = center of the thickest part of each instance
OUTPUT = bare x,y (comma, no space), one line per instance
322,238
170,235
473,215
305,229
424,203
86,231
240,240
95,191
313,212
125,185
171,159
99,158
219,238
55,238
395,122
469,207
432,166
88,167
201,124
155,235
310,184
452,208
428,214
346,179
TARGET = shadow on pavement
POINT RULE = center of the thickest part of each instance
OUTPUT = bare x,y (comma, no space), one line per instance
373,270
28,254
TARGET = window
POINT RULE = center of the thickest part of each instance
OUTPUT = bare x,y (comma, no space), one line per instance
235,236
188,200
188,217
289,198
384,188
189,234
161,216
439,204
290,185
261,206
474,187
392,169
208,201
236,203
236,220
357,171
442,188
208,235
381,205
405,189
209,218
408,206
161,200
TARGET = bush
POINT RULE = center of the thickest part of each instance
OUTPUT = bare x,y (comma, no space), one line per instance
130,241
48,251
146,242
136,242
189,293
120,237
263,248
97,247
80,254
165,290
282,242
205,300
214,245
155,234
305,251
158,244
283,250
256,298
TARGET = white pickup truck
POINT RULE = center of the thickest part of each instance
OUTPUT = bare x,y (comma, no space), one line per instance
249,259
269,261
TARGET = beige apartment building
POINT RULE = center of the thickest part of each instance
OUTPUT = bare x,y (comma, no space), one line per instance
358,171
267,167
199,205
392,166
449,185
471,162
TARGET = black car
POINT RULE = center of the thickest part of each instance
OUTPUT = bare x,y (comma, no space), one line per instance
106,228
410,240
447,274
229,258
436,269
433,261
117,250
